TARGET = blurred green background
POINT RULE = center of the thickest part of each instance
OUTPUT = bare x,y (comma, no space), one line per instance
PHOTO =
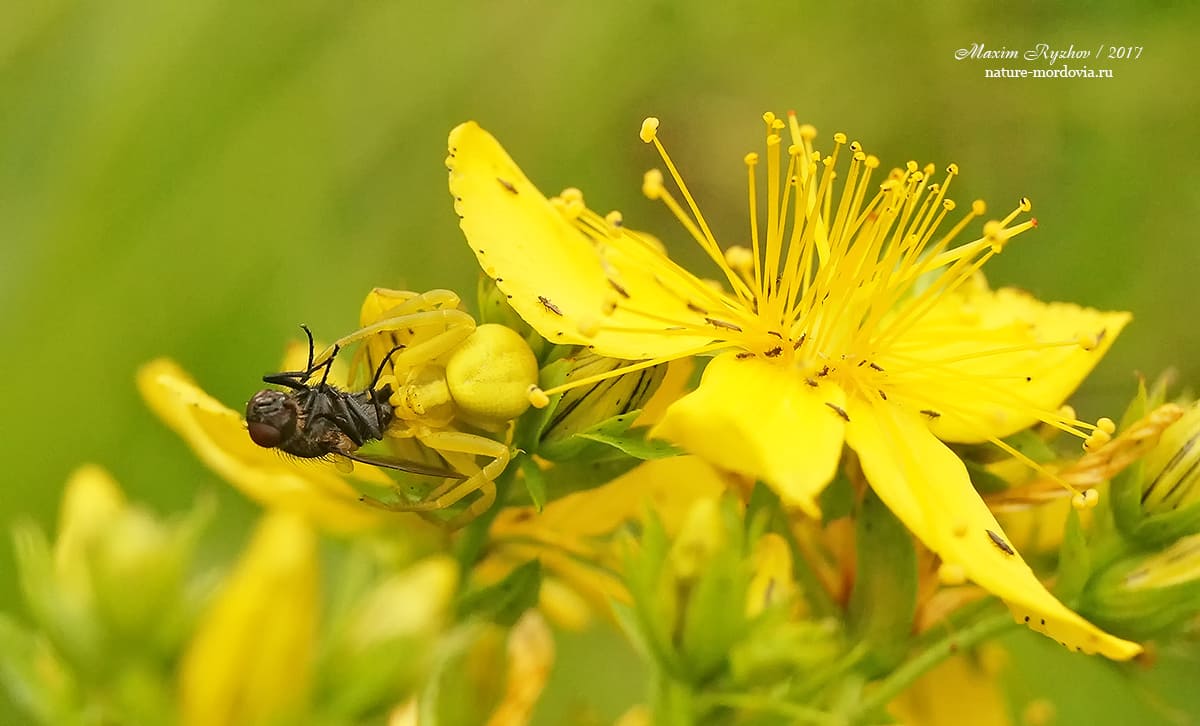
196,178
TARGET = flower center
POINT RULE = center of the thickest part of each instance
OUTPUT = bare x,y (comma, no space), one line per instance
834,281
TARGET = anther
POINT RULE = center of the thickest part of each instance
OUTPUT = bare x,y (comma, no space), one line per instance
614,219
538,397
1025,204
1106,425
952,169
979,207
839,138
652,184
1086,499
751,159
739,258
649,129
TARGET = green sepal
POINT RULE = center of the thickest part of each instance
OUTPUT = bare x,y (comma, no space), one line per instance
1074,560
504,602
884,599
836,500
1159,530
1125,498
535,481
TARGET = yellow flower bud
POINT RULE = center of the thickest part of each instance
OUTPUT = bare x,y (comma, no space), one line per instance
251,659
1172,469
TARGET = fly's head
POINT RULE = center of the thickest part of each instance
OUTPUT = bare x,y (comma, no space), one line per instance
271,418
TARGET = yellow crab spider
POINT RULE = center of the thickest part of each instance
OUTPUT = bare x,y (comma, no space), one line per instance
447,374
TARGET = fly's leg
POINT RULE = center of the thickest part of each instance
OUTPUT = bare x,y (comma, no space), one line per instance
453,445
296,379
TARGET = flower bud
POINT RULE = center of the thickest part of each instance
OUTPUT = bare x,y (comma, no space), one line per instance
1172,470
1157,501
586,407
250,661
1146,595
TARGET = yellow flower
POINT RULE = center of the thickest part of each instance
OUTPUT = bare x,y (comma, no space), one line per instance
317,489
850,320
251,659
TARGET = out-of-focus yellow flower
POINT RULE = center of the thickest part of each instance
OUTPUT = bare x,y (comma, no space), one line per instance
251,659
572,535
91,502
960,690
314,488
850,321
530,657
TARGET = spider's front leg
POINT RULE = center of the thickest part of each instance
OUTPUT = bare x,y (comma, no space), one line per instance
459,450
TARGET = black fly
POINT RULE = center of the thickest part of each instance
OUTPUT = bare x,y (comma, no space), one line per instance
313,422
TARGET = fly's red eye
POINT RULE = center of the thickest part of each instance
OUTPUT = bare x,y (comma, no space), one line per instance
264,434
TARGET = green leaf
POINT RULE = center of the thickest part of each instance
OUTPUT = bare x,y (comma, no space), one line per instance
636,446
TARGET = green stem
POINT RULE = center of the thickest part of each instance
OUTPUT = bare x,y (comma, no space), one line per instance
905,675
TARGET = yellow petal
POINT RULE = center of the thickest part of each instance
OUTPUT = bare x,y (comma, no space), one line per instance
760,419
956,692
549,270
251,658
928,489
999,394
218,436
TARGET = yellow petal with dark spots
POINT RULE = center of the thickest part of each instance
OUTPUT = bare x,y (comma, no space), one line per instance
550,271
927,487
981,359
761,420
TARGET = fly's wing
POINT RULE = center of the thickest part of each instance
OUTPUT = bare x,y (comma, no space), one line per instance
405,465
